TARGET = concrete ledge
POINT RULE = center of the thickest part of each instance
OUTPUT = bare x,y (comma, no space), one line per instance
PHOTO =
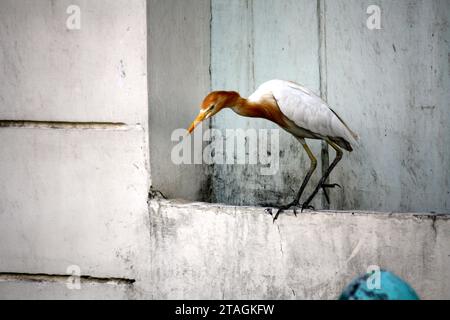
24,290
209,251
216,251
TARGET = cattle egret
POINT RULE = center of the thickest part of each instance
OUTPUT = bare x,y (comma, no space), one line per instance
298,111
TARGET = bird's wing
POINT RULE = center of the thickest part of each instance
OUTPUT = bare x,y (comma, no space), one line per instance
309,111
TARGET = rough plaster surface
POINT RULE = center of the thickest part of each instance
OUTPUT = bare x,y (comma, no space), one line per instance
50,73
73,197
73,147
178,62
202,251
393,86
215,252
23,290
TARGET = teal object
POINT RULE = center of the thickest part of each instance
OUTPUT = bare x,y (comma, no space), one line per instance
390,287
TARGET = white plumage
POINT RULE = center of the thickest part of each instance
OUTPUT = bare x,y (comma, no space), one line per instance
305,109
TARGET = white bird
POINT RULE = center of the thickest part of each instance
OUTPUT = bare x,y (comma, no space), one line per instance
295,109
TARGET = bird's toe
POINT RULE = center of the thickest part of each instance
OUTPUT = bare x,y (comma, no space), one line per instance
280,210
269,211
307,207
284,208
331,186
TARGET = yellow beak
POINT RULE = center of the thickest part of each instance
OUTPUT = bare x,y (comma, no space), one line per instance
201,116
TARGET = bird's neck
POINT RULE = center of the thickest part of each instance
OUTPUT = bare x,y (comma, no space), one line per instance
265,109
246,108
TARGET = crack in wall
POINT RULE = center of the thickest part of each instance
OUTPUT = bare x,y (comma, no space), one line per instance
433,225
281,240
43,277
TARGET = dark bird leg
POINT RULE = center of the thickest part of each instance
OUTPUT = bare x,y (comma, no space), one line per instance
322,184
305,181
329,186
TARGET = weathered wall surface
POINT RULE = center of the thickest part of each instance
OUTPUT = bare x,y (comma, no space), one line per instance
74,175
12,288
215,252
392,86
178,62
203,251
52,73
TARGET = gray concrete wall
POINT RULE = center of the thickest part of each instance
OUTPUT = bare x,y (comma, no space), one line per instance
392,86
179,78
50,73
73,147
204,251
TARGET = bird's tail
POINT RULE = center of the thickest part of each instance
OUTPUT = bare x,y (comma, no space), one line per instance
351,137
344,144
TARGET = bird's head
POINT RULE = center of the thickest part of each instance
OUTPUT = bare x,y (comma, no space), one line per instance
213,104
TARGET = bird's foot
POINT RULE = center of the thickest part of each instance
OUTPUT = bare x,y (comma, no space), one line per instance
282,209
307,206
329,186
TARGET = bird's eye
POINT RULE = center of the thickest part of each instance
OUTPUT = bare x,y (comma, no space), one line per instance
211,108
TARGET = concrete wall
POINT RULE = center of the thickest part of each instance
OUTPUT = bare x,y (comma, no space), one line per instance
393,86
75,165
390,85
50,73
204,251
73,148
179,78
